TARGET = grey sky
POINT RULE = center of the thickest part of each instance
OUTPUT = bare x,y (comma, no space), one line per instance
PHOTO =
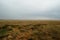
29,9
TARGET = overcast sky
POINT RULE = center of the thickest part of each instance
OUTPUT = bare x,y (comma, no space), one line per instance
30,9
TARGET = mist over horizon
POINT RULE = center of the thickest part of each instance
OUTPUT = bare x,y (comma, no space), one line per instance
30,9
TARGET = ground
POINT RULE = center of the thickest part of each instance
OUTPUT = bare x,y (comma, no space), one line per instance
29,30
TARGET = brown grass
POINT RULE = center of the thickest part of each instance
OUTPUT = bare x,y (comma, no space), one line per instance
29,30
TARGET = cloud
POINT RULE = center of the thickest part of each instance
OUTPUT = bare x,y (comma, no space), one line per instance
29,9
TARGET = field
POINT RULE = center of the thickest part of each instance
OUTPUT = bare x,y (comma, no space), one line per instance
29,30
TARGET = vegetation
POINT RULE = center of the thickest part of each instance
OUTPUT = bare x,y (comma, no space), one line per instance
29,30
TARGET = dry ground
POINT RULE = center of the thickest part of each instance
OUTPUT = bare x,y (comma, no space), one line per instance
29,30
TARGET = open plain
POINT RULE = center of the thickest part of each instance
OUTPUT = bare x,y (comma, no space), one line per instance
29,30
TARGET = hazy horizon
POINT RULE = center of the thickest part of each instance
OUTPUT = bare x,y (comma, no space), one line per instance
30,9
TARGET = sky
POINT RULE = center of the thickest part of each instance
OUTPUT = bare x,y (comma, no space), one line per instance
30,9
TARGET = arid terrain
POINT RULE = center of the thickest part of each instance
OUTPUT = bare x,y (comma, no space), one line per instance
29,30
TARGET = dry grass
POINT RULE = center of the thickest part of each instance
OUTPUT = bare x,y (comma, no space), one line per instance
29,30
